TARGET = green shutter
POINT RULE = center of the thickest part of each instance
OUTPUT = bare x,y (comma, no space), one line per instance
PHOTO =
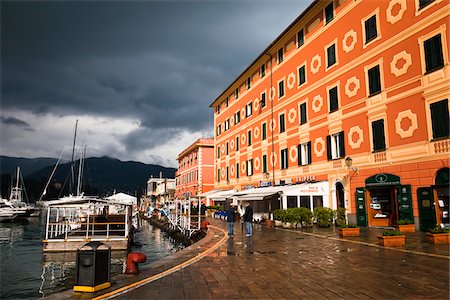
405,209
361,214
427,213
378,135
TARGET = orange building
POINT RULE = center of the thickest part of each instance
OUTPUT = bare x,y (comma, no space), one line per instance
195,174
354,93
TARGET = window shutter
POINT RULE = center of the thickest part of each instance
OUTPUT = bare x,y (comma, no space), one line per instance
341,144
329,147
299,154
440,118
309,153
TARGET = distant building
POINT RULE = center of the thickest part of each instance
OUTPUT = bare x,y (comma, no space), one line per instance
354,93
195,173
161,190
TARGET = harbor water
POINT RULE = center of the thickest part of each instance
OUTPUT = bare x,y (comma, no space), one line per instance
25,273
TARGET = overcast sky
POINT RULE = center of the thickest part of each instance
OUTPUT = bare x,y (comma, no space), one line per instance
138,75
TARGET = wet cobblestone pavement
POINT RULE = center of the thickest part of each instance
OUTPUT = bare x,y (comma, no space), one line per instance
297,264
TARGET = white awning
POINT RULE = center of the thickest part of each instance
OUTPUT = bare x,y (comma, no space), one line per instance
220,195
257,194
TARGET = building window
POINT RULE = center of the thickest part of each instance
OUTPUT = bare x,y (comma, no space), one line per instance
333,98
218,109
331,55
282,123
264,131
237,143
250,167
218,152
440,119
303,118
378,138
434,58
301,75
374,80
248,110
236,93
264,163
280,55
371,28
423,3
227,148
248,83
335,146
263,100
284,159
304,154
218,130
228,173
281,89
329,13
237,170
249,138
218,175
300,38
227,124
237,117
262,72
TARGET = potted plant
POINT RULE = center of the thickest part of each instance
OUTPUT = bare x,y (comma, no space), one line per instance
287,219
324,216
438,235
392,238
405,226
278,216
341,219
306,216
348,230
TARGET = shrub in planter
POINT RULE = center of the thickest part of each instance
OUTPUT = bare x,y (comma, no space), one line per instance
278,215
438,235
405,226
340,216
349,230
306,216
392,238
324,216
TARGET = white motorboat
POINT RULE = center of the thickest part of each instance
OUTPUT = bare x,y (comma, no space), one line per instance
15,200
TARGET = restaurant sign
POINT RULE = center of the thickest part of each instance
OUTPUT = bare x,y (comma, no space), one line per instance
382,180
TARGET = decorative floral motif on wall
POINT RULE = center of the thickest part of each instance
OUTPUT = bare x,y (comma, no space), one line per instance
257,162
243,138
316,63
317,103
256,132
349,41
400,63
352,86
232,144
319,146
291,80
293,153
395,11
411,119
273,159
256,104
355,131
292,115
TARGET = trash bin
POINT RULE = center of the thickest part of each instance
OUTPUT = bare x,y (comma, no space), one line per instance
93,265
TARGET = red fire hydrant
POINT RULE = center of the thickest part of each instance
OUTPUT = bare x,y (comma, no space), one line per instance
133,259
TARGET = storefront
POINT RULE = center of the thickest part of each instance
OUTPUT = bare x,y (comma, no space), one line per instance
434,202
309,195
383,201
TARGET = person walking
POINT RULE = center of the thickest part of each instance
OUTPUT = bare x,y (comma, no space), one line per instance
248,219
231,218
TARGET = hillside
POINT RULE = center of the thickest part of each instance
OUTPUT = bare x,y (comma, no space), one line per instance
8,165
102,176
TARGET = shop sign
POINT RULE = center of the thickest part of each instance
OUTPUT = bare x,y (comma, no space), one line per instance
382,180
306,178
265,183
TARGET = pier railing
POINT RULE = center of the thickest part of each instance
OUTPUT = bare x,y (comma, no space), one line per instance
74,230
181,217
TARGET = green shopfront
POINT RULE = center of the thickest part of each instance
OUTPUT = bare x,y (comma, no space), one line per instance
383,201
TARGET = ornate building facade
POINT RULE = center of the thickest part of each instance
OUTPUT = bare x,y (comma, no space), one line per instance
354,93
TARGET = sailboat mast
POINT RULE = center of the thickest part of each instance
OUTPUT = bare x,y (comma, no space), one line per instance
17,177
72,179
80,172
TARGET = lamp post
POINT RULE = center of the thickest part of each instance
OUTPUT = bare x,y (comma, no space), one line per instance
349,163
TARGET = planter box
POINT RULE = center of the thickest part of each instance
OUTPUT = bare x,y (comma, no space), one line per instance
349,231
438,238
287,225
391,241
278,223
406,228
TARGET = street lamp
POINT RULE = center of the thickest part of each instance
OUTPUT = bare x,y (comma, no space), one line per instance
349,163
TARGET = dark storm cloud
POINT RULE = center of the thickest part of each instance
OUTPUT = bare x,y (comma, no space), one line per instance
15,122
160,63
